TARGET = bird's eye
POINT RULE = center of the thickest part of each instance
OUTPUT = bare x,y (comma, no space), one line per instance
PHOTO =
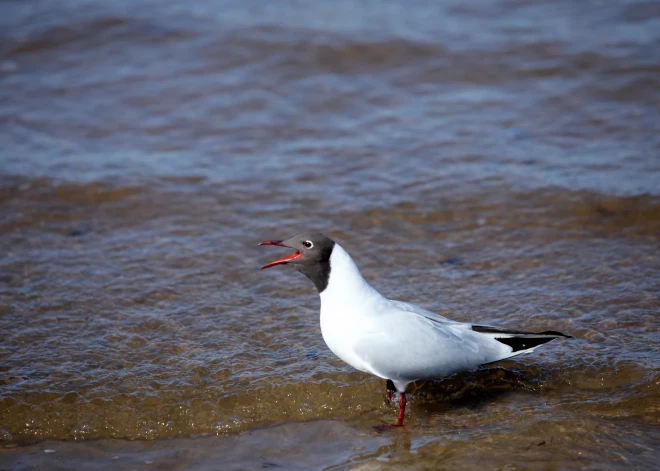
308,244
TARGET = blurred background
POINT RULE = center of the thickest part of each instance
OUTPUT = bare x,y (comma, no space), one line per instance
497,161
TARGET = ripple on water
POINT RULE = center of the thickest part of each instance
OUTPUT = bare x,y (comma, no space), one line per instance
494,168
174,345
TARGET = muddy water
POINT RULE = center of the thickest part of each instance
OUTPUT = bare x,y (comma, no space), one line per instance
496,161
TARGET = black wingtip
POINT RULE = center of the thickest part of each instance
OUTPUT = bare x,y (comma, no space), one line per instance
524,343
519,340
485,329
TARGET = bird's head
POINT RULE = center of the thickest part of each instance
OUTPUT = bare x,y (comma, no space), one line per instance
311,256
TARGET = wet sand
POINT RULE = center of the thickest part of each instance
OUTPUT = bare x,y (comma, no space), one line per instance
311,445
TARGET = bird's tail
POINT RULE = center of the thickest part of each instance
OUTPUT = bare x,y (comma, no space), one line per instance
519,341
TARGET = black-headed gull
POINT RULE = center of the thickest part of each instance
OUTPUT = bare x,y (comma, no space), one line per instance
393,340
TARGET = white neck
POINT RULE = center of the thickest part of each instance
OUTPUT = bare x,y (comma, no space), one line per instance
346,284
348,306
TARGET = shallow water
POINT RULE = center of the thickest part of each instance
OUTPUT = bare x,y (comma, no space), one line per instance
498,162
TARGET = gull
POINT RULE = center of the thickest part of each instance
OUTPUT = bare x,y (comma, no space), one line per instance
394,340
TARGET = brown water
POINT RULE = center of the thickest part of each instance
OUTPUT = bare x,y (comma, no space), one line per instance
495,161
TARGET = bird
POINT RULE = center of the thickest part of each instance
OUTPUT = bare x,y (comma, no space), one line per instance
394,340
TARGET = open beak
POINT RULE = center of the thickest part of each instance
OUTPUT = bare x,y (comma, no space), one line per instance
283,260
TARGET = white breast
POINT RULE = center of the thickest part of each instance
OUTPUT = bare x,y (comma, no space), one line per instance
346,305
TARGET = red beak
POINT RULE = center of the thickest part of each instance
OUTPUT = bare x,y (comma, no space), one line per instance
283,260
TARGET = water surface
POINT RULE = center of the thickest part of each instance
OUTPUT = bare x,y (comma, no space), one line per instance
497,162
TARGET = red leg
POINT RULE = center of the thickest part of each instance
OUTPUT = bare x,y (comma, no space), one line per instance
402,409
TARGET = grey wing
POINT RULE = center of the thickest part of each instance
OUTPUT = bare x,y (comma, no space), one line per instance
410,345
420,311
